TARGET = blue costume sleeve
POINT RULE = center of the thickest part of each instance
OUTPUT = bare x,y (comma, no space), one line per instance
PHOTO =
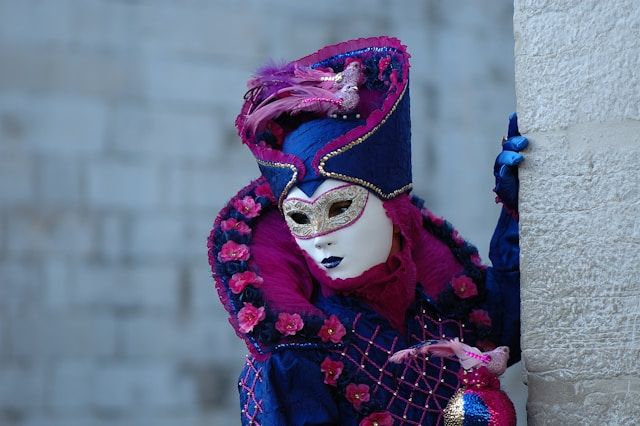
287,389
503,278
503,283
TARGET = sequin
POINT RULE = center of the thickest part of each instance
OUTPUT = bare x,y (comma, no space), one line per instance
454,412
328,61
469,407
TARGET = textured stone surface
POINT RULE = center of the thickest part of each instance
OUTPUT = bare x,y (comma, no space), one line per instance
578,91
117,149
584,55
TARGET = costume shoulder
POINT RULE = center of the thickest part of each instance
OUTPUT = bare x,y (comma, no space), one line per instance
485,297
455,279
265,285
260,275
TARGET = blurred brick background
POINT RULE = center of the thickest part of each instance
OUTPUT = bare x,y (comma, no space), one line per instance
117,149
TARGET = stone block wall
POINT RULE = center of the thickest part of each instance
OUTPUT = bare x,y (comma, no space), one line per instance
578,94
117,149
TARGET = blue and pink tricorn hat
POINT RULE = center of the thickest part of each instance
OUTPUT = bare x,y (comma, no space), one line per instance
340,113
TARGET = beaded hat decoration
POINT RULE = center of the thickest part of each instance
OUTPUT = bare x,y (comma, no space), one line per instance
340,113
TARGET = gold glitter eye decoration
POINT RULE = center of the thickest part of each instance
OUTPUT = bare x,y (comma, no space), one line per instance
299,218
339,207
333,210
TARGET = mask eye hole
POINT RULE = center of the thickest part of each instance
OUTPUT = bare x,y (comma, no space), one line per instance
300,218
339,207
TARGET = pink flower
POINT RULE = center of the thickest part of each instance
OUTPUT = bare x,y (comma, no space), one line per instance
332,330
249,317
457,238
234,224
464,287
233,251
247,206
264,190
381,418
480,317
289,324
240,280
357,394
475,258
382,66
332,370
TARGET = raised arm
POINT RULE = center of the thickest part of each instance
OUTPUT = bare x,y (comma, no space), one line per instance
503,277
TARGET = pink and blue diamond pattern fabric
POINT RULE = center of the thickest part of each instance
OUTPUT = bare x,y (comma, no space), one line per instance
413,393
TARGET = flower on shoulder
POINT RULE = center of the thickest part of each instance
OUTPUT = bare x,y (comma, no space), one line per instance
231,251
289,324
475,259
357,394
457,238
240,280
249,317
233,224
247,206
480,317
332,330
264,190
464,287
380,418
332,370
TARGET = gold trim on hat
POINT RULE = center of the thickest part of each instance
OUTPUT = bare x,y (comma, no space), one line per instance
358,141
293,179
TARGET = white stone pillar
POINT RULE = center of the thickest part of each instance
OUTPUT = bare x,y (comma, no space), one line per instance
578,95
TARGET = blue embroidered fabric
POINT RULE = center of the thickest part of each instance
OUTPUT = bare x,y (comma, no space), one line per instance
503,281
277,176
383,157
307,140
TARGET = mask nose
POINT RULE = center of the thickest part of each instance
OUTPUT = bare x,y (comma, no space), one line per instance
322,242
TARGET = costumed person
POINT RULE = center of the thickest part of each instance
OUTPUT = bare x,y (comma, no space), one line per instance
327,265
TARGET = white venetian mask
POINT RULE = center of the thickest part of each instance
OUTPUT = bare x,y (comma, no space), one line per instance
342,227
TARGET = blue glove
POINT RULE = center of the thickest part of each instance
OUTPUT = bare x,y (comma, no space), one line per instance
505,169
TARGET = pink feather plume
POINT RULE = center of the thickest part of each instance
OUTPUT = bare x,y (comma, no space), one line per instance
273,77
291,88
293,100
455,348
468,356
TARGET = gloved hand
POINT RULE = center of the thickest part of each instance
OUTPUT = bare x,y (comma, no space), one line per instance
505,169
